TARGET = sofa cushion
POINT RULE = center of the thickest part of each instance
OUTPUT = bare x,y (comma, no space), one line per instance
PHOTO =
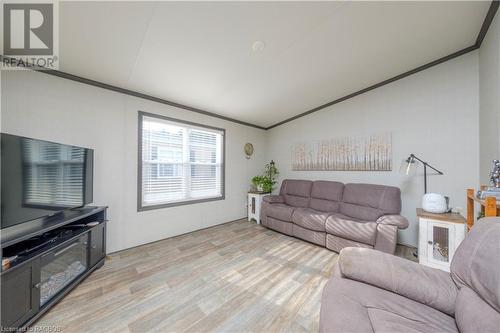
387,238
475,315
351,306
396,220
324,205
326,196
310,219
472,265
316,237
336,243
322,189
281,212
360,212
280,226
296,192
346,227
426,285
273,199
369,202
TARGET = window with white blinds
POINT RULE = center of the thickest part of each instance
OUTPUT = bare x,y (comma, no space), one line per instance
179,162
54,174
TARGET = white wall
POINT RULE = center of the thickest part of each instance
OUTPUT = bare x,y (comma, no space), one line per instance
489,99
50,108
433,114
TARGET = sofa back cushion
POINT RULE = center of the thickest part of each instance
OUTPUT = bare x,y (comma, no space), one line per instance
473,314
476,263
368,202
326,196
297,193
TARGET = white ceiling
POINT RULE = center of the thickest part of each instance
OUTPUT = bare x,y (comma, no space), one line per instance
200,53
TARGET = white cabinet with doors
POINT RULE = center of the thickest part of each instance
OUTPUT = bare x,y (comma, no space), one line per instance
438,238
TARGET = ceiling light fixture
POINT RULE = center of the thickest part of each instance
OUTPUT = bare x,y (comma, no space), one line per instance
258,45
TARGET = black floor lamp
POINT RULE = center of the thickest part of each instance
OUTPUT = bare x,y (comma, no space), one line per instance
410,166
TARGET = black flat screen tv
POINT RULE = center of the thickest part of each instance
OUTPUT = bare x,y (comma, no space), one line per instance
41,178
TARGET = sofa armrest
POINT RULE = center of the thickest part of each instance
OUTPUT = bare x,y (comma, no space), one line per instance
399,221
274,199
423,284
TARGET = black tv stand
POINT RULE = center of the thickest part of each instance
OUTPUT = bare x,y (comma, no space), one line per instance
29,250
48,258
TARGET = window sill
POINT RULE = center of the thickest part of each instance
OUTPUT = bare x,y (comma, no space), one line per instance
141,208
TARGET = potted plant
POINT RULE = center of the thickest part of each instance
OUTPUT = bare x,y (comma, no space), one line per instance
266,182
271,172
258,182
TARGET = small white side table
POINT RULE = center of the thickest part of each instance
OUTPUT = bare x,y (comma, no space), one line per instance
439,236
254,204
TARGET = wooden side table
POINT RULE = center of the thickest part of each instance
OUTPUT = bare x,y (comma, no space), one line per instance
438,238
489,206
254,204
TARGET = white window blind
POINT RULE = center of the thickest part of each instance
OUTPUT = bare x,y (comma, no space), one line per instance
180,162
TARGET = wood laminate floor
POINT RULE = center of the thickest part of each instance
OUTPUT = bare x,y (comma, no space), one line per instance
235,277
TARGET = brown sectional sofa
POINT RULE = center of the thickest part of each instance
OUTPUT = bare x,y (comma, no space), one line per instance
371,291
335,215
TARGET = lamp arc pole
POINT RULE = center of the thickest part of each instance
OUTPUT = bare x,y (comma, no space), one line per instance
414,157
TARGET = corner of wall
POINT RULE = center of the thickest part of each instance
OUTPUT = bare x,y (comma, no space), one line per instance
489,100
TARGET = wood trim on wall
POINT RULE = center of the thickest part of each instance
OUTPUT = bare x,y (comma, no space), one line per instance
129,92
378,85
482,33
487,22
143,96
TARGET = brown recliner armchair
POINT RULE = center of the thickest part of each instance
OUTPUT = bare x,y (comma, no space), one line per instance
371,291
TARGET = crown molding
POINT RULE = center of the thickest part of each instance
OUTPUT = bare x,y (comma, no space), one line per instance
378,85
143,96
487,22
482,34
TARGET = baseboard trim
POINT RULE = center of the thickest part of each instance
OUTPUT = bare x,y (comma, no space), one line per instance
407,245
183,234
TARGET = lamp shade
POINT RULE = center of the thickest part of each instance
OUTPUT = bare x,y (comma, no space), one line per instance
409,166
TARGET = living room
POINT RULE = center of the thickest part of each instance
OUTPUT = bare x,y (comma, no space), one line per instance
177,106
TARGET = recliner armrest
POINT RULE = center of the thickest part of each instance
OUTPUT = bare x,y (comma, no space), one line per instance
422,284
274,199
397,220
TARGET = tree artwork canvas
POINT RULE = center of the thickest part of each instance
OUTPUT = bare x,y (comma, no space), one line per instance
369,153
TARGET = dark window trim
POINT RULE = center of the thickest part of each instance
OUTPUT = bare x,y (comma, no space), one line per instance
140,207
